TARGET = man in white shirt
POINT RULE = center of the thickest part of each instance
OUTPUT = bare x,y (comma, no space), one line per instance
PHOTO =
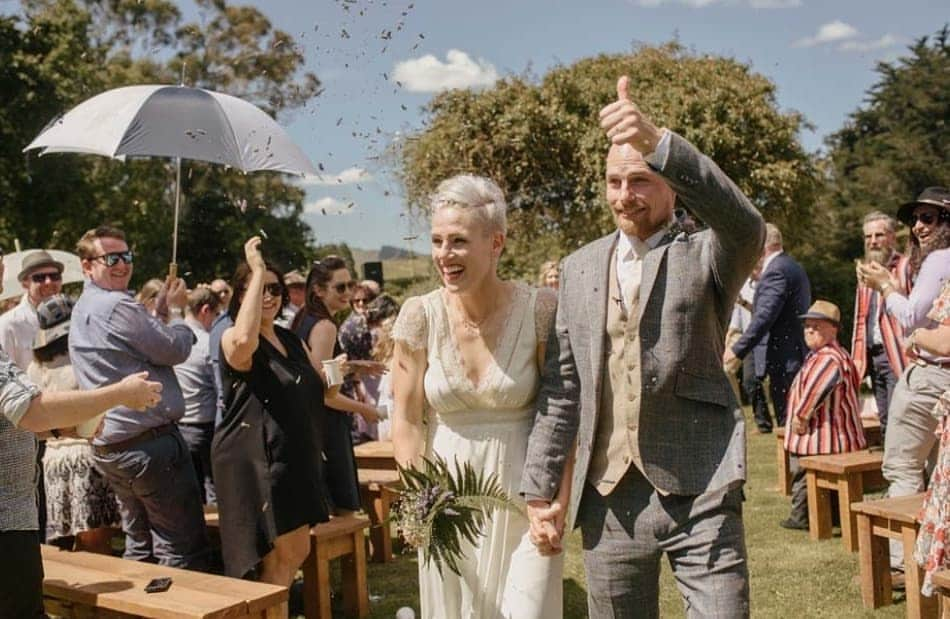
41,277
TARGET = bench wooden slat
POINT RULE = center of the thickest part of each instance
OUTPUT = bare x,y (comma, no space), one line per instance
257,595
111,589
854,461
902,509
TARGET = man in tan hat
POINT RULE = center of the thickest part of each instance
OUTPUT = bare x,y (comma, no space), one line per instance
824,416
296,285
41,277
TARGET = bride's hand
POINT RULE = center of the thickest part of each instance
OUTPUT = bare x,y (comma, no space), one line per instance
546,520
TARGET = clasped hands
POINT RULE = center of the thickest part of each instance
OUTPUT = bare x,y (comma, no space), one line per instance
873,275
546,525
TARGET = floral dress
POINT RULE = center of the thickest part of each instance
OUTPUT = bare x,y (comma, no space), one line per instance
931,551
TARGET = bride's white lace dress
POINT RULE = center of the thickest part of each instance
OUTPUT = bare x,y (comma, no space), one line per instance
486,424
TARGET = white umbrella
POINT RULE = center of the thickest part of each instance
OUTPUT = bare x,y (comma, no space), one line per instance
177,122
12,263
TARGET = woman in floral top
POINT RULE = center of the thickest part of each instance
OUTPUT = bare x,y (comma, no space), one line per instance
935,515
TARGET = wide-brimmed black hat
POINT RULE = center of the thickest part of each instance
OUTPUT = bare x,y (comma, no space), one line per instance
934,196
35,260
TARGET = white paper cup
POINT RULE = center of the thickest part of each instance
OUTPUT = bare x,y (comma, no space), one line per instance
334,370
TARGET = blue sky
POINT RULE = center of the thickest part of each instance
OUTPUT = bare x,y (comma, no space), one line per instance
820,53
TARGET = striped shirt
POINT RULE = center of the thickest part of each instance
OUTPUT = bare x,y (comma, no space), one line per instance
892,335
825,392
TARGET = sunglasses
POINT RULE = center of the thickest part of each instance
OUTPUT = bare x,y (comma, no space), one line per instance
343,287
925,218
274,289
39,278
112,259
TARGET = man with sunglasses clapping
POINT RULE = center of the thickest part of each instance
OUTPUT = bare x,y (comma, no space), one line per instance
41,277
142,455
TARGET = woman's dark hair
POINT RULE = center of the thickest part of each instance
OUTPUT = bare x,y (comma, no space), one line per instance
939,239
381,308
321,272
59,346
239,283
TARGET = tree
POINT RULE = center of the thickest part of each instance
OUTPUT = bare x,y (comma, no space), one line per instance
60,52
543,144
888,151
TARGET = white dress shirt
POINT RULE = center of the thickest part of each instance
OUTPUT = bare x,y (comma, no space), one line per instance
18,328
630,253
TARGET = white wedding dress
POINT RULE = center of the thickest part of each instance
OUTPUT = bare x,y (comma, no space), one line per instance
502,575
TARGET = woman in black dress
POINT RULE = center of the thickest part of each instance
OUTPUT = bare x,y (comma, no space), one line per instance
266,452
329,286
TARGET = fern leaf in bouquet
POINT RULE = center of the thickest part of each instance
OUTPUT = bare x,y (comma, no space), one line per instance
443,507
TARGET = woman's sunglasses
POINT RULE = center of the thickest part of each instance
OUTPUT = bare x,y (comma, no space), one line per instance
927,219
112,259
274,289
343,287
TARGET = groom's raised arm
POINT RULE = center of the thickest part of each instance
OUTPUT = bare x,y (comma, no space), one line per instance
557,407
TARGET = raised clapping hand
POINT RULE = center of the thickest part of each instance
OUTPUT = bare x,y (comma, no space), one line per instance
626,124
546,525
874,275
253,255
139,393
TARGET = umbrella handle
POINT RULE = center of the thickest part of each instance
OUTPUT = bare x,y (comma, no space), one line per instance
173,269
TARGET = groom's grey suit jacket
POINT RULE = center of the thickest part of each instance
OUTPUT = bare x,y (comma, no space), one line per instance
691,435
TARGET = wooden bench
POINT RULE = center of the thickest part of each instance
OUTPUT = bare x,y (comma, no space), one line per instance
872,432
878,522
375,455
83,584
941,581
847,474
378,490
341,538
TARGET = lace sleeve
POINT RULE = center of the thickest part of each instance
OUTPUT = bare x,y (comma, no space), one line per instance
411,326
545,307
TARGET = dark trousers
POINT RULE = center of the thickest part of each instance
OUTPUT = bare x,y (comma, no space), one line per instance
883,381
755,392
159,502
21,575
779,383
198,437
626,533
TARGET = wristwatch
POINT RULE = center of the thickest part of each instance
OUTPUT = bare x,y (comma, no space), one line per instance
885,287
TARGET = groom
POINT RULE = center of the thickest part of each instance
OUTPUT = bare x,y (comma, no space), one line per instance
633,377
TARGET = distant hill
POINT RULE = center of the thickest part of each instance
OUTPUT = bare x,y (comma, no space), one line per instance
386,252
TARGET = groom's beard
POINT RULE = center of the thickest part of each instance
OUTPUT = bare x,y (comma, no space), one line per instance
881,256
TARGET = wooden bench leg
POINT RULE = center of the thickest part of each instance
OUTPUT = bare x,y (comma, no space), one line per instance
918,606
784,474
316,583
875,565
376,504
850,490
819,509
355,588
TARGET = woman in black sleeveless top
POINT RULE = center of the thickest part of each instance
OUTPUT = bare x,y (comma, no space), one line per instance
266,454
329,286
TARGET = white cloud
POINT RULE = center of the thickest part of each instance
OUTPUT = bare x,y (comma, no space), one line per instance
886,41
348,176
699,4
829,33
328,206
429,74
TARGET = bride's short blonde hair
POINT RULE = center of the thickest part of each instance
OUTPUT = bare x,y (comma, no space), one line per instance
481,195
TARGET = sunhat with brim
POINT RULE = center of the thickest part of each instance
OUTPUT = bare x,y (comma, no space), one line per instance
36,260
823,310
934,196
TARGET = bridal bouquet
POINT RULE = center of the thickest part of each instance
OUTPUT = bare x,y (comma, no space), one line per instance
440,507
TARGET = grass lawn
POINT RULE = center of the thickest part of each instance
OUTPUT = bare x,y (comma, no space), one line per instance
791,575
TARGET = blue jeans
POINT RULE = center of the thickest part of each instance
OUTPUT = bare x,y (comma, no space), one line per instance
159,502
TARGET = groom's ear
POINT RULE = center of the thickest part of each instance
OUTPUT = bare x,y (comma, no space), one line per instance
497,243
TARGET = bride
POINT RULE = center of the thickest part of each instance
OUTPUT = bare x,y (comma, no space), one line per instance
465,375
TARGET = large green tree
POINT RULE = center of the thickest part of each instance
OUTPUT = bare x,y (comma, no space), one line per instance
57,53
888,151
541,141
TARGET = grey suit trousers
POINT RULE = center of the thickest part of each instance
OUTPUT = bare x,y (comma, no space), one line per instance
626,532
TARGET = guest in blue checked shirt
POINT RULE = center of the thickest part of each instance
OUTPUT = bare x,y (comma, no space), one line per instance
143,456
23,411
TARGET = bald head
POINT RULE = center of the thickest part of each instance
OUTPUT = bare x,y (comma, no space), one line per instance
641,202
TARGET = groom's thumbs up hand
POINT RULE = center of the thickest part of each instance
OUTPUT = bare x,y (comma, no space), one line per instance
624,123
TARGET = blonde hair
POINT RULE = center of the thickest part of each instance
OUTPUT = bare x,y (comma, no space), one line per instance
773,236
547,267
481,195
149,291
385,344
